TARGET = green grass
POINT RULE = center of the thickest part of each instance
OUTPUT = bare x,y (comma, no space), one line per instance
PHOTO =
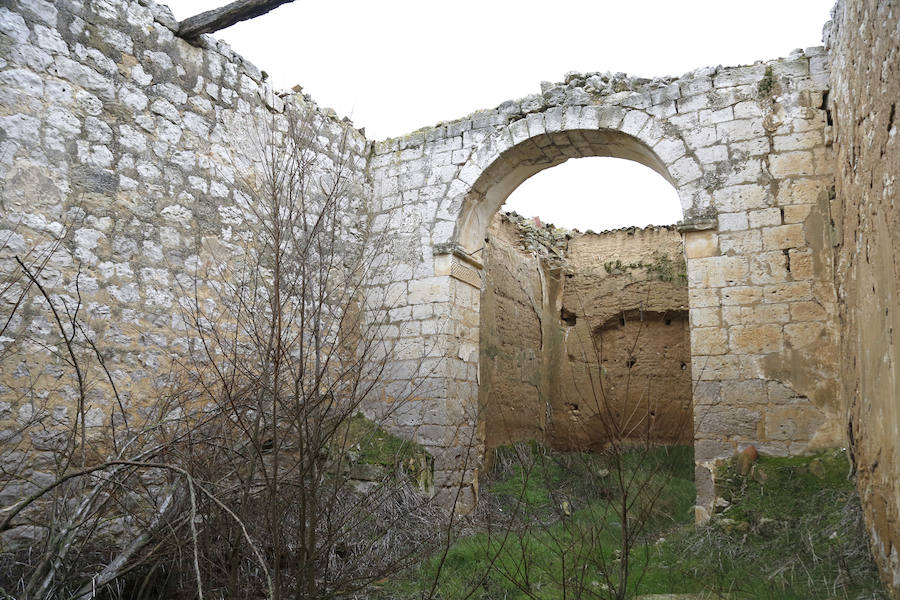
547,528
553,524
792,528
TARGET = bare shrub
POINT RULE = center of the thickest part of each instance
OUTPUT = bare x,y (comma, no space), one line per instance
263,468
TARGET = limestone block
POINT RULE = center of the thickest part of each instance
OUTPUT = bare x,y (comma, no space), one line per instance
709,341
793,423
728,422
741,295
700,244
716,116
769,267
802,191
746,392
796,213
765,217
717,271
740,129
705,317
685,170
535,124
755,339
732,221
802,335
740,242
778,393
764,313
699,298
435,435
670,150
783,237
711,449
23,80
715,368
698,136
808,311
741,197
748,109
801,263
731,315
634,121
791,164
787,292
748,171
799,141
711,154
692,103
750,148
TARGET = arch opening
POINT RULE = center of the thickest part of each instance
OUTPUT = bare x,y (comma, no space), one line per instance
517,164
578,331
597,194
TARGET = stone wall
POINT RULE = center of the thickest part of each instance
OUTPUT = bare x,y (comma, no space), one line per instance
125,156
748,151
130,144
559,305
865,101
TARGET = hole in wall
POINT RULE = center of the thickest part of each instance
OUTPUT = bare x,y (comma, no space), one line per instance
567,316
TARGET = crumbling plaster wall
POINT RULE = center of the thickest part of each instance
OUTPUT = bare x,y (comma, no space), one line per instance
127,145
549,296
864,45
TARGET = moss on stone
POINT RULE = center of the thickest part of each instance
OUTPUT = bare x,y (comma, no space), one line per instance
366,443
766,85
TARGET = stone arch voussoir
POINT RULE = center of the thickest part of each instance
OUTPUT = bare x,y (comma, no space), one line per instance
541,140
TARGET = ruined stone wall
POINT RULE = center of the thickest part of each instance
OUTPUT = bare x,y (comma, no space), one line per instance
130,149
131,141
627,290
557,307
748,150
864,45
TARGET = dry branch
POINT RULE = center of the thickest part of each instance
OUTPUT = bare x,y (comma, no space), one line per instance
226,16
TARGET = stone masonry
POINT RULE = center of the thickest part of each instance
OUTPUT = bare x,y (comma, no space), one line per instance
132,141
130,149
749,151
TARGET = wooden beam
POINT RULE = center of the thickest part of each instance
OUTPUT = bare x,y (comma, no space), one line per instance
220,18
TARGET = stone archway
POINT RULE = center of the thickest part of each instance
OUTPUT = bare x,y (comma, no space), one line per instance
746,150
514,165
551,145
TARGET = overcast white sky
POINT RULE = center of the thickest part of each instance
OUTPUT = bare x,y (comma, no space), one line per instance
394,66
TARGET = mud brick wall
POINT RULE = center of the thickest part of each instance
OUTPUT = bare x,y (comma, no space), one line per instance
864,45
559,306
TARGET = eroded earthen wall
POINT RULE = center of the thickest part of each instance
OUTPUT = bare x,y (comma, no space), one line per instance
865,55
560,308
